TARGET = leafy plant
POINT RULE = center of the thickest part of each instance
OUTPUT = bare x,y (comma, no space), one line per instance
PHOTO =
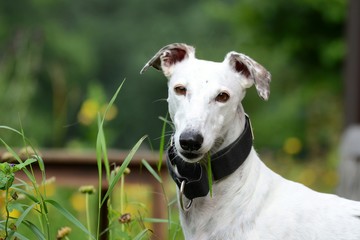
36,202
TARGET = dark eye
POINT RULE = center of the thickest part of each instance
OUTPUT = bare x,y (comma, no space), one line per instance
222,97
180,90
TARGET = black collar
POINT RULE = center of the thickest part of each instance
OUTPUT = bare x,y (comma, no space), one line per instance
223,163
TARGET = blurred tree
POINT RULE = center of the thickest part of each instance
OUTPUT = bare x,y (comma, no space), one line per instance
302,44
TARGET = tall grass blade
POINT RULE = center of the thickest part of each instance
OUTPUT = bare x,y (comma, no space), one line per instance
101,150
35,230
69,216
99,167
101,153
11,129
24,214
162,143
151,170
113,98
21,219
10,150
167,121
122,169
101,147
141,234
172,202
101,134
156,220
40,162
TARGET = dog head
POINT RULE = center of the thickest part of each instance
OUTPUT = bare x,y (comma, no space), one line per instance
205,97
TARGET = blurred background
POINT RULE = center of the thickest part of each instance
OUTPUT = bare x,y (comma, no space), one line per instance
61,62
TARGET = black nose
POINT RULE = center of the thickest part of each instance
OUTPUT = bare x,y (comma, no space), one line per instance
191,141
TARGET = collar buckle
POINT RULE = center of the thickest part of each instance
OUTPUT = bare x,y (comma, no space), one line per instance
181,198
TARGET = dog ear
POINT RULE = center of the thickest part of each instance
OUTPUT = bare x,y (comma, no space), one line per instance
168,56
252,71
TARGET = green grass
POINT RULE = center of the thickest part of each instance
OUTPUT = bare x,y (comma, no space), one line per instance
42,215
37,201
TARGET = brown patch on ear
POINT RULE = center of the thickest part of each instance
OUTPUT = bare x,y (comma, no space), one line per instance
242,68
173,56
168,56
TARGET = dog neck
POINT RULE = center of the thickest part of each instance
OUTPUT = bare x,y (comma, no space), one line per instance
233,131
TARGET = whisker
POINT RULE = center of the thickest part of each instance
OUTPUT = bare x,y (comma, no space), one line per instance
166,135
159,100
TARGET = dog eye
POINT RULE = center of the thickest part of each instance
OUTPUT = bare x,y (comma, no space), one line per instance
180,90
222,97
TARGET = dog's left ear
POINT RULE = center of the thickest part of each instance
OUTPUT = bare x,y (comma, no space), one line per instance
168,56
253,72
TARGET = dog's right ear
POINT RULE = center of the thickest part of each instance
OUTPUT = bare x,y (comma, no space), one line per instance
168,56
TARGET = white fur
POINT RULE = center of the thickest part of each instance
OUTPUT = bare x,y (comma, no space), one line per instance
253,203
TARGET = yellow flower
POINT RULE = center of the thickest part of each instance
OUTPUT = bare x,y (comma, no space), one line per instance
14,213
78,201
88,111
2,205
292,146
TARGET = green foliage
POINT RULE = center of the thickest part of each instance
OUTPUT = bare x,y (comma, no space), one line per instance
36,199
37,202
7,171
60,59
302,44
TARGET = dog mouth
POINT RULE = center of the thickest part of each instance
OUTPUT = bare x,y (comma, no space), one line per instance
193,149
194,156
191,156
199,156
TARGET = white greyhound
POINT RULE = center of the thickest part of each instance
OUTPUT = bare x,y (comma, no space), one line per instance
248,200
